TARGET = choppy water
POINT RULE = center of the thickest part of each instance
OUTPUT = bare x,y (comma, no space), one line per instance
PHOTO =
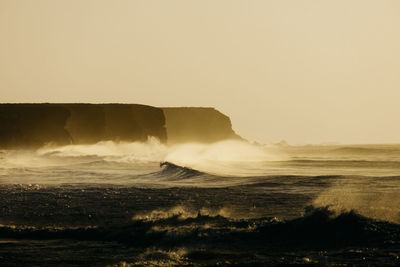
225,203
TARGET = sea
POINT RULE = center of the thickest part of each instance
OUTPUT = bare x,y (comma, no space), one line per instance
230,203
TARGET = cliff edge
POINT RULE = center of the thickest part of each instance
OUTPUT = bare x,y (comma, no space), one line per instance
197,124
35,125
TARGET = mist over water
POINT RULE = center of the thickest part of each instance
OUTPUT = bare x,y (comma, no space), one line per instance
82,184
169,204
225,158
231,158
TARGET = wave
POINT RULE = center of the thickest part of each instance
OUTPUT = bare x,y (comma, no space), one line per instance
127,163
342,162
377,149
172,175
318,228
173,170
222,157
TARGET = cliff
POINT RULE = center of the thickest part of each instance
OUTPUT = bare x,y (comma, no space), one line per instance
91,123
35,125
205,125
26,125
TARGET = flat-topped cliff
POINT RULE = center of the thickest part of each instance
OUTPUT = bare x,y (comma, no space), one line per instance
188,124
36,125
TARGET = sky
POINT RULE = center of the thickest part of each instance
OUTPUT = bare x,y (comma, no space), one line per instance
306,71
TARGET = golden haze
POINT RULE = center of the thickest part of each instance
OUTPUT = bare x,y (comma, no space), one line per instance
305,71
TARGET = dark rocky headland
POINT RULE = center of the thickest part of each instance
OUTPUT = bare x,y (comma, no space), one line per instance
36,125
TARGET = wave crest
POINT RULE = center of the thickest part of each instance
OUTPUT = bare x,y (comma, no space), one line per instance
173,170
318,228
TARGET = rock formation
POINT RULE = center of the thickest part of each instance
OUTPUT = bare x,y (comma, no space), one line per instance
36,125
205,125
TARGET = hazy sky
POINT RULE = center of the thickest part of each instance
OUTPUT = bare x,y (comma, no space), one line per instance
301,70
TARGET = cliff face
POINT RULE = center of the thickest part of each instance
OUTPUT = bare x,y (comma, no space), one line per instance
29,125
205,125
34,125
91,123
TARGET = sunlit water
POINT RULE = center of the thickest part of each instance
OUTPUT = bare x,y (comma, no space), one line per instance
225,203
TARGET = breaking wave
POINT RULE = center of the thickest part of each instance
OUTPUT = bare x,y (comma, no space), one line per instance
229,157
319,228
175,171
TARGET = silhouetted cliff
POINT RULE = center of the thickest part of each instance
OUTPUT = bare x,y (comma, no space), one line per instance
34,125
30,125
205,125
91,123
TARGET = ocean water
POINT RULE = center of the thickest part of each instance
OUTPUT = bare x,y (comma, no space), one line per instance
227,203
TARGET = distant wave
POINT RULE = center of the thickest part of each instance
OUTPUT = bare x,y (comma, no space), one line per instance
345,163
369,150
319,228
176,171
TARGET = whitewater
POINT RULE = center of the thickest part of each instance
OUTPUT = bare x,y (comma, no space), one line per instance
225,203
